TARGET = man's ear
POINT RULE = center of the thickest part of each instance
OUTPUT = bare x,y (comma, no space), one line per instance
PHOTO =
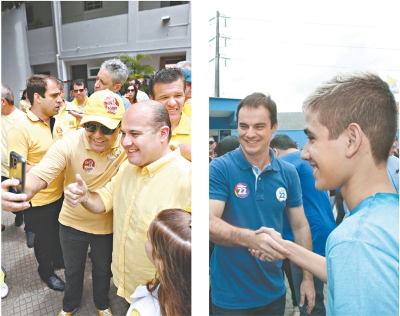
37,97
354,136
117,87
274,128
151,97
164,132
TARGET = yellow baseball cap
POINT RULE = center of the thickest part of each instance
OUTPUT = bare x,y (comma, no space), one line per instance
105,107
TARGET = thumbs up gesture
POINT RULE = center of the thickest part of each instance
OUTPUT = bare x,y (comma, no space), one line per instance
76,192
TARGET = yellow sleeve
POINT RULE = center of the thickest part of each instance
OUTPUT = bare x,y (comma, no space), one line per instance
135,313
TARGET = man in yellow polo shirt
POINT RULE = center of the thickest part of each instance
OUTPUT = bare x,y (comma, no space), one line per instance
31,137
168,87
154,178
95,152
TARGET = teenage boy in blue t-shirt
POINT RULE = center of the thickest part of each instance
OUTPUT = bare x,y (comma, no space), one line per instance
351,122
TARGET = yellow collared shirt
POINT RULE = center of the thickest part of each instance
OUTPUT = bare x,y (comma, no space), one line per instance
183,132
31,138
136,196
74,155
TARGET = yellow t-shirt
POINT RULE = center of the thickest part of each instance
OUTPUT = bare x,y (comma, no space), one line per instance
65,122
165,183
187,108
23,105
31,138
7,121
75,102
74,155
182,133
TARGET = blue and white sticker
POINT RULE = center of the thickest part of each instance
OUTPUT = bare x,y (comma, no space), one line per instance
281,194
242,190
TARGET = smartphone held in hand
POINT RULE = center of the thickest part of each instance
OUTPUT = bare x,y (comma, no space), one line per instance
17,171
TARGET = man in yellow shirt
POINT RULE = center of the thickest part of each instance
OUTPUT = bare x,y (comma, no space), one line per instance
65,122
9,115
168,87
31,137
95,152
155,177
79,92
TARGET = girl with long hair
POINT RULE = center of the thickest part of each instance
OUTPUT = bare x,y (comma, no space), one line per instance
169,248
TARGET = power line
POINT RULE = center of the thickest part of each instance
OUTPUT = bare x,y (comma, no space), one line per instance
309,65
311,44
307,22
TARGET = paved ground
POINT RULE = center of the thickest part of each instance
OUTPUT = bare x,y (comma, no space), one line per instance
28,294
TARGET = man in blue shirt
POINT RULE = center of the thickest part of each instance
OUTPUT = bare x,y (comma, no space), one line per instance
351,123
250,188
318,211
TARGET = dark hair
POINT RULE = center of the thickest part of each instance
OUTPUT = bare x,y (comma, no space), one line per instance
256,99
78,82
23,97
38,84
170,234
357,97
227,144
283,142
160,117
137,81
126,86
7,94
167,75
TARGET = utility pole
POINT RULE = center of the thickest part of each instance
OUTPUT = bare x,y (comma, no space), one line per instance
216,89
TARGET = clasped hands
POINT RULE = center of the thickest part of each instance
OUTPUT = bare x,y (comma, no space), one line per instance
267,246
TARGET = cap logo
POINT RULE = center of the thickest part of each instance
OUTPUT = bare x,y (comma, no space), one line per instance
111,105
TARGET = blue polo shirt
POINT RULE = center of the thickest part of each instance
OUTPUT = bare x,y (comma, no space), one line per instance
238,280
316,205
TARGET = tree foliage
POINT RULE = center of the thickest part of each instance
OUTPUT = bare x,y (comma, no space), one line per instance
8,5
134,64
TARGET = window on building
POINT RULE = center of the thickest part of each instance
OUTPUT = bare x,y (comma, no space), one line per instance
92,5
172,3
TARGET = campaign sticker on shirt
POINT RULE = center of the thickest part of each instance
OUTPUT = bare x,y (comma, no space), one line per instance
88,165
281,194
115,153
241,190
111,104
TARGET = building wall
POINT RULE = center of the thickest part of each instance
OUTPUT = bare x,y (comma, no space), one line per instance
15,67
90,41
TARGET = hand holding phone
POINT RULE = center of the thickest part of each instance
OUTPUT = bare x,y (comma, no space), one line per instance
17,170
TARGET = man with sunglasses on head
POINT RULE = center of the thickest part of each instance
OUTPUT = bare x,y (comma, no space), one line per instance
94,152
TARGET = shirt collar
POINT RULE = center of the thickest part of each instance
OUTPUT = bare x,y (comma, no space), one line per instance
244,164
161,163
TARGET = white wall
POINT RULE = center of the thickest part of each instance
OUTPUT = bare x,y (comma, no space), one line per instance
15,67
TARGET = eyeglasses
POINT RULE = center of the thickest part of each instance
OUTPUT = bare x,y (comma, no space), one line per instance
130,90
80,90
211,142
92,128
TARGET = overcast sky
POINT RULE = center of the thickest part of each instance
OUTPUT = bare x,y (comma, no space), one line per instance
286,48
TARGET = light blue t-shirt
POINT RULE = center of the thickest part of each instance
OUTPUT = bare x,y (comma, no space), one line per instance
362,257
392,167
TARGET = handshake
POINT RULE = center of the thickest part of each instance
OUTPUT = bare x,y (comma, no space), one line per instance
268,245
